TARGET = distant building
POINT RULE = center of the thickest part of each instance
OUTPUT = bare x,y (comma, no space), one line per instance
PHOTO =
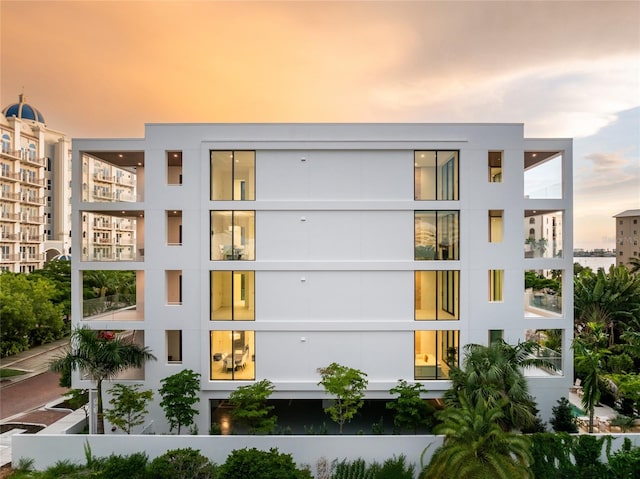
35,189
271,250
627,228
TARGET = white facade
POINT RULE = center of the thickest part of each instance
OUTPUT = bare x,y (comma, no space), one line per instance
320,252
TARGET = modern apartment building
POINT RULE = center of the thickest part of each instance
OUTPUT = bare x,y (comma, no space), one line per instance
35,189
271,250
627,228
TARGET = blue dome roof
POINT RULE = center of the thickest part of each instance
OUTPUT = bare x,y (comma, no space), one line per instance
23,110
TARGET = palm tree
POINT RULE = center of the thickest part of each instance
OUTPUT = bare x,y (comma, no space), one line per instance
493,375
588,358
100,357
634,265
476,446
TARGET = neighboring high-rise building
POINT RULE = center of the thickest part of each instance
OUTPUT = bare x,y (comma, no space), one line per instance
35,189
272,250
627,236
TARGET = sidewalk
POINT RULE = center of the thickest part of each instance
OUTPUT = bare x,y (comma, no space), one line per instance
34,361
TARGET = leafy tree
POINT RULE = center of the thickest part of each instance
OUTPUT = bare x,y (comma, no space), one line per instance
179,393
101,358
129,406
182,464
246,463
493,375
626,461
589,359
251,406
616,293
634,265
58,272
27,313
562,418
348,386
410,410
476,446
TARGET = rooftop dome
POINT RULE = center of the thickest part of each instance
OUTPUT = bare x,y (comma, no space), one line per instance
23,110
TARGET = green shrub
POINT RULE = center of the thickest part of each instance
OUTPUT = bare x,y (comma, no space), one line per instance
394,468
625,462
133,466
63,468
256,464
562,419
182,464
356,469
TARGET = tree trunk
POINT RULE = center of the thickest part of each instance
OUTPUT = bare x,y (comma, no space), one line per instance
591,414
100,421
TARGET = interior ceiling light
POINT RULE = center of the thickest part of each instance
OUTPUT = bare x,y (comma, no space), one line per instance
120,155
534,155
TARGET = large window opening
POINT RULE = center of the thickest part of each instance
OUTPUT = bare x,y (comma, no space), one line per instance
549,348
232,295
232,235
232,355
543,293
174,167
436,235
436,175
436,353
543,234
173,341
233,175
542,174
437,295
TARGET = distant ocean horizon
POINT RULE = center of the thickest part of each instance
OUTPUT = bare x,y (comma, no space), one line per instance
595,262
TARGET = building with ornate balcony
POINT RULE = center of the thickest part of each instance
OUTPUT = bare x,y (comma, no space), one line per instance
271,250
35,189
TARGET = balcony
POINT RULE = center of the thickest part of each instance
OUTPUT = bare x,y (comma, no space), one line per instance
112,236
119,295
33,200
34,219
8,237
9,175
111,176
7,216
9,257
32,238
32,180
9,196
32,160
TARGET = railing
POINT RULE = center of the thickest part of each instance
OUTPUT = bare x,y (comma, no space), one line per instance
10,257
6,195
8,237
96,256
27,218
32,256
11,176
33,238
546,301
107,304
33,199
551,356
32,180
9,216
34,161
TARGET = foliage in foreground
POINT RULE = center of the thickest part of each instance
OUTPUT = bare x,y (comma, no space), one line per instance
179,393
245,463
347,385
393,468
475,445
555,456
251,407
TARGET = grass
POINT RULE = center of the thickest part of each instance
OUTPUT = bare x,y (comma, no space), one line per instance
7,373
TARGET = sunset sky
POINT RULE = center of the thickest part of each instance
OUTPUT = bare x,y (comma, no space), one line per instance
564,69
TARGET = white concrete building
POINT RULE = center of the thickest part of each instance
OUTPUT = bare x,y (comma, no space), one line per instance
271,250
35,189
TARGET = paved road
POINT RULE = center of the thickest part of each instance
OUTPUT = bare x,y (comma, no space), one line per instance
29,394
